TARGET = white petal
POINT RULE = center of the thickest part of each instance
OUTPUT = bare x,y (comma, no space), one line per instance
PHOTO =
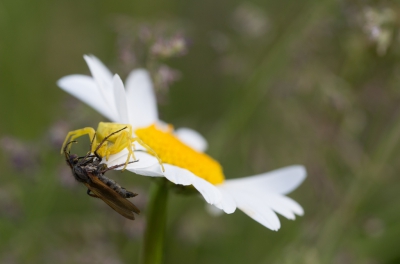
142,104
120,100
182,176
151,171
278,203
227,202
104,80
98,69
288,203
257,210
192,138
210,193
259,196
281,204
281,181
85,89
178,175
146,165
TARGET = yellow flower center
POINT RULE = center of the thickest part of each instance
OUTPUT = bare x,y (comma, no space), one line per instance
172,151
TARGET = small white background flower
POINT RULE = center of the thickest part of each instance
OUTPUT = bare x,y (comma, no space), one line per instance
260,196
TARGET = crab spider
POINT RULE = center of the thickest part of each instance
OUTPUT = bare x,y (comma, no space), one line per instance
117,138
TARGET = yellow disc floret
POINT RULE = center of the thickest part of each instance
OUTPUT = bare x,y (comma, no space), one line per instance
172,151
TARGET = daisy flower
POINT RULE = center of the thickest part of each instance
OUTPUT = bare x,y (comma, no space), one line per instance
182,150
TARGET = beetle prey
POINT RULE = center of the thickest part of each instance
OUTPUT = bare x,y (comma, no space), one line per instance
90,171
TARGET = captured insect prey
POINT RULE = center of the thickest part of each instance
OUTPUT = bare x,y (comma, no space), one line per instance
89,170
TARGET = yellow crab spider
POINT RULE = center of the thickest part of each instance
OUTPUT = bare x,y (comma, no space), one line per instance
115,142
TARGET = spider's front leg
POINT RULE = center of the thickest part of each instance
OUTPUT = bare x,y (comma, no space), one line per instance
72,135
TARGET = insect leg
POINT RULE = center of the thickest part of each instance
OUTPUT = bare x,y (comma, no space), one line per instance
67,144
89,192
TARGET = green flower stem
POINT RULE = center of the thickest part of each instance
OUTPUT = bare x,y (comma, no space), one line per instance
153,241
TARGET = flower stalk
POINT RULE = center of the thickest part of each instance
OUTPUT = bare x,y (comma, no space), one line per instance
153,240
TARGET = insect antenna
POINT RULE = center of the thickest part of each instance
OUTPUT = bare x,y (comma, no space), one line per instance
104,140
117,166
67,153
66,145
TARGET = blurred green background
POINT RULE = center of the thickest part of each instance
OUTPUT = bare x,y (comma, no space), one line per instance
268,83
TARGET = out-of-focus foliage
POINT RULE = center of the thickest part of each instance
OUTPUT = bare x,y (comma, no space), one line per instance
269,83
